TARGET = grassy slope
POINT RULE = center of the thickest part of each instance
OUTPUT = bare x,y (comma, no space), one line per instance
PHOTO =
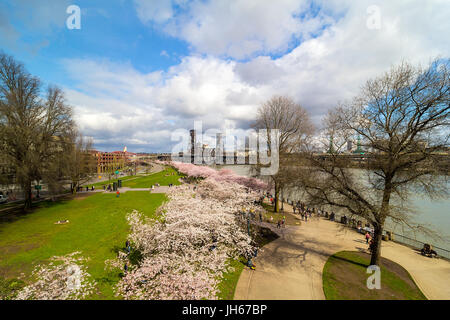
344,278
97,228
159,177
229,281
290,218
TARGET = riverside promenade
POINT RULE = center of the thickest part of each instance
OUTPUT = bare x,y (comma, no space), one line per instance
290,268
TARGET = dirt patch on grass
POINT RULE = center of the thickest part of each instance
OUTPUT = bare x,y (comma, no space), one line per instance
345,278
81,195
12,249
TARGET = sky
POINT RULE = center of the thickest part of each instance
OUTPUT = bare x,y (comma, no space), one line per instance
137,70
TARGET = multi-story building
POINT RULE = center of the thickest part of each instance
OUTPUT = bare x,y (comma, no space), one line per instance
109,162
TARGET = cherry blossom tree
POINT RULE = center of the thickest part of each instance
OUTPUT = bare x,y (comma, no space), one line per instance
186,251
225,175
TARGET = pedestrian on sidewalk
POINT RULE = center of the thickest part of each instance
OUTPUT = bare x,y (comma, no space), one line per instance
367,237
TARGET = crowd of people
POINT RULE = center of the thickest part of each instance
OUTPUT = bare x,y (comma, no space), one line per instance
80,188
306,212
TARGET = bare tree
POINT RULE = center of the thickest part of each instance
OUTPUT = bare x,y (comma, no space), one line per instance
295,129
34,130
402,120
81,164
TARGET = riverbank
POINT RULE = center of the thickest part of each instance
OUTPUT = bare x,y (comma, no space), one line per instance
291,267
432,214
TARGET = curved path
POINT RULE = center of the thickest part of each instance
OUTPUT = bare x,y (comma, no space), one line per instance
290,268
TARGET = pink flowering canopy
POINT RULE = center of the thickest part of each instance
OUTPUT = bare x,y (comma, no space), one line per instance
186,252
223,175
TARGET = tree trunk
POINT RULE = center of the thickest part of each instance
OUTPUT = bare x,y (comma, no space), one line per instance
276,207
73,187
28,194
378,226
376,249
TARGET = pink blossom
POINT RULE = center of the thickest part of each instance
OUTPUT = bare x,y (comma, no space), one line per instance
187,250
223,175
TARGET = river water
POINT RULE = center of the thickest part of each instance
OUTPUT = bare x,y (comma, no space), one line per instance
434,214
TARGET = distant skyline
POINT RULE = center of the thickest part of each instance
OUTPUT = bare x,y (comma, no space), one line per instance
138,70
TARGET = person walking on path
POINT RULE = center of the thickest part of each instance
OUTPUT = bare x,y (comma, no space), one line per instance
367,237
117,193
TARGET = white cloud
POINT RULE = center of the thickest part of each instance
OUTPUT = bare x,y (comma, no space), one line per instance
115,101
237,28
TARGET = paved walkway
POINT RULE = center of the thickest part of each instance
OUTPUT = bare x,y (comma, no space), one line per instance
290,268
160,189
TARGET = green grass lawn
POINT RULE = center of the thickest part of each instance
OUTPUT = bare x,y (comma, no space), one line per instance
229,281
97,228
164,178
345,278
291,219
106,182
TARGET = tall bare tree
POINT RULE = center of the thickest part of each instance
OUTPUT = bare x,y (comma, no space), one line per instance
81,164
34,129
295,128
402,119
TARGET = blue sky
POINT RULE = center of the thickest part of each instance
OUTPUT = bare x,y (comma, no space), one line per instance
138,70
109,30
